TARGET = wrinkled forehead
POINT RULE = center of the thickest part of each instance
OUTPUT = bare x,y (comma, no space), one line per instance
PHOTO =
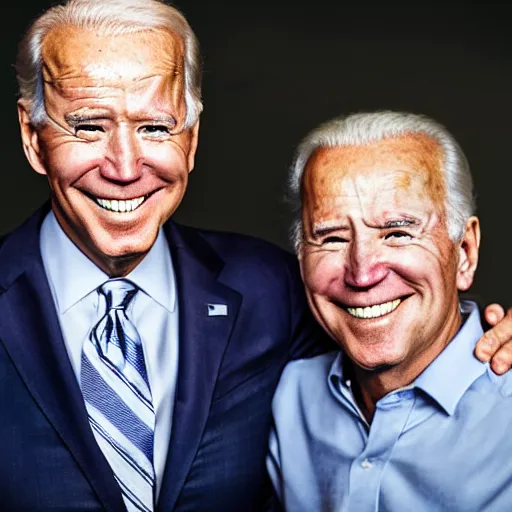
401,163
70,53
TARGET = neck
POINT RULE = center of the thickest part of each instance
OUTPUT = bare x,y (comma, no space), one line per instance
370,385
119,267
116,266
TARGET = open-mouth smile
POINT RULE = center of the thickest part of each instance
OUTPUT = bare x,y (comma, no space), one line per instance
374,311
120,205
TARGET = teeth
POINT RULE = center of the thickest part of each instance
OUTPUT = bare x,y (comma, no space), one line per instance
374,311
115,205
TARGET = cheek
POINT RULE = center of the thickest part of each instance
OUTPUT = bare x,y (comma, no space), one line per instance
68,162
424,265
169,158
411,263
323,274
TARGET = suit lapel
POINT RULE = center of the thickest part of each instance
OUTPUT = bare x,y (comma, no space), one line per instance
30,331
207,313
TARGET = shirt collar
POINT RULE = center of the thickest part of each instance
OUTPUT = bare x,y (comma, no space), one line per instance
454,370
154,275
340,376
72,275
448,377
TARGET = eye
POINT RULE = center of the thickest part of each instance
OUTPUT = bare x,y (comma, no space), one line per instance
395,235
156,128
334,240
88,132
88,128
156,131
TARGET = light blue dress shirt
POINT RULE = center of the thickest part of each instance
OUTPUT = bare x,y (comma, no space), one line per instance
74,281
442,444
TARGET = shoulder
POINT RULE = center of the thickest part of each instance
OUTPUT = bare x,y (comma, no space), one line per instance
305,379
235,246
501,383
20,248
300,370
248,258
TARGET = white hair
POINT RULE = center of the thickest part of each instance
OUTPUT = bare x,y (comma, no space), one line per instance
109,18
366,128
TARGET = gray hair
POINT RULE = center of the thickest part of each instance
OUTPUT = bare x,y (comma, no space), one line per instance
366,128
110,18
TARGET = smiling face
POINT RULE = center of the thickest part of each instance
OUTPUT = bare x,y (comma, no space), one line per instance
114,149
380,270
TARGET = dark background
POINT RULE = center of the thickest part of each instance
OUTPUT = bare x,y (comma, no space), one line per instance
274,70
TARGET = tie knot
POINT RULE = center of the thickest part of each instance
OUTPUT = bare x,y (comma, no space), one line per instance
118,293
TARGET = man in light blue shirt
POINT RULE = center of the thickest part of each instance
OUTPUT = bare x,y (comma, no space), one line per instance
405,418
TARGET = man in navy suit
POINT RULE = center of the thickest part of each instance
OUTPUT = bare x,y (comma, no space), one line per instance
109,112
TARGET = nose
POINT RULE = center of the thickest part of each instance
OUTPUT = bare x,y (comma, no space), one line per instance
365,267
123,163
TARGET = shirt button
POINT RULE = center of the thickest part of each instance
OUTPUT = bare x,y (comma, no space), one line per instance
366,464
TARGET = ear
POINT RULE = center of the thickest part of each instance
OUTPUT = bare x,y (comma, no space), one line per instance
30,139
194,136
468,254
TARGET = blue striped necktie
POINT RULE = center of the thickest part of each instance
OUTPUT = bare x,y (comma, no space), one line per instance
117,395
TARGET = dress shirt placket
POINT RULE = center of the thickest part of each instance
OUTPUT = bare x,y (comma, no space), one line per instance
366,471
342,391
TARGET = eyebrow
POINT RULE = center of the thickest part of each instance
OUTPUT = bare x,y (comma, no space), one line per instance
163,120
401,223
76,119
326,228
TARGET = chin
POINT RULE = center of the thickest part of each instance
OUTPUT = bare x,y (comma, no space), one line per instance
376,358
126,249
123,247
377,366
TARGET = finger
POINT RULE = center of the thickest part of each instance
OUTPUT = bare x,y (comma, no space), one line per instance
495,344
487,346
502,360
493,314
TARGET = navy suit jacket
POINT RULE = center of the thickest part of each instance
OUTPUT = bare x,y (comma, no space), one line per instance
229,367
